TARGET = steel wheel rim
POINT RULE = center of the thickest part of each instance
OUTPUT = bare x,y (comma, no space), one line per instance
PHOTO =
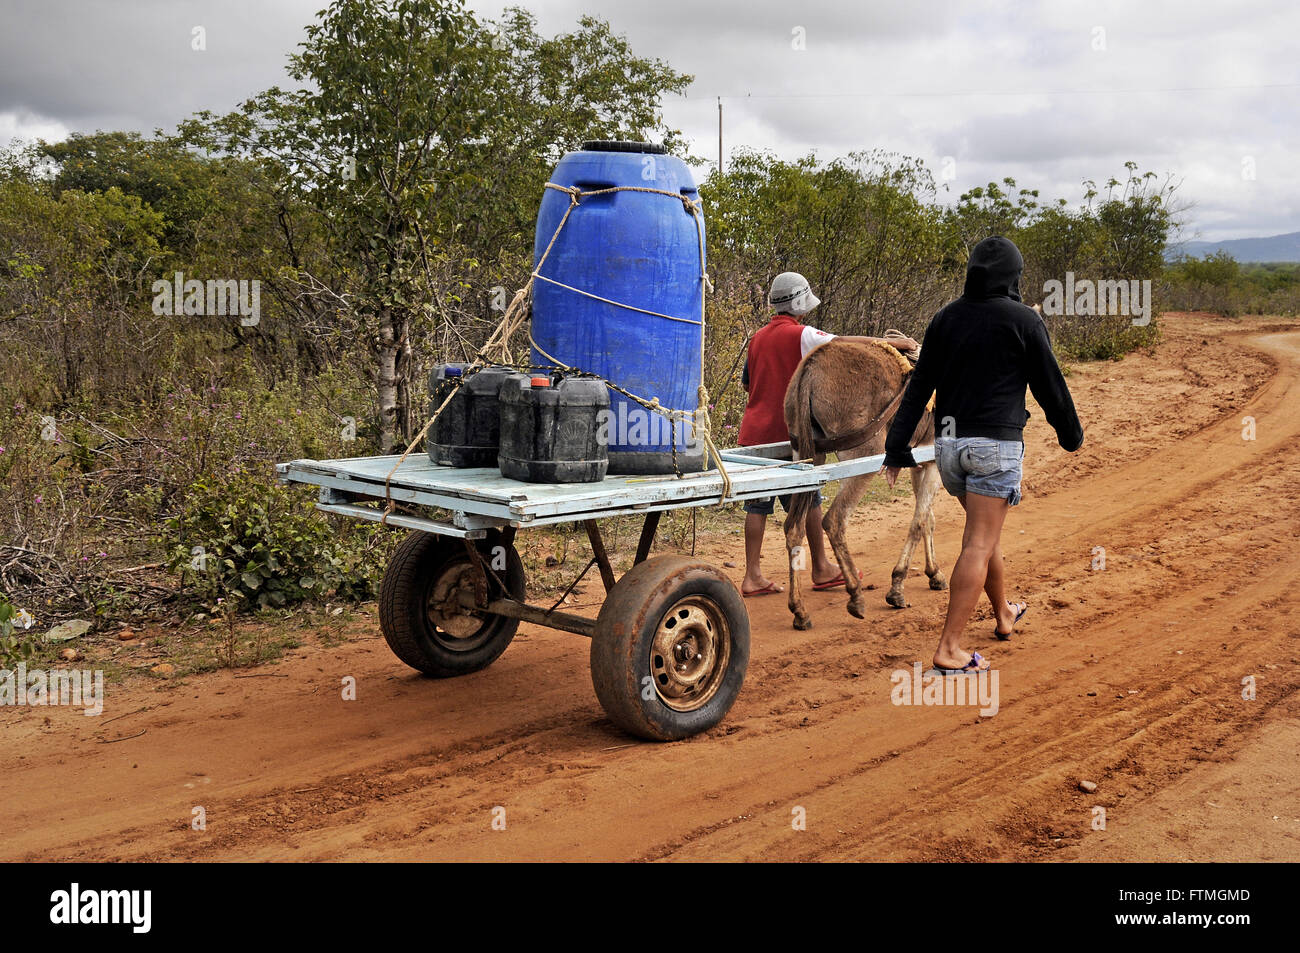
689,653
452,625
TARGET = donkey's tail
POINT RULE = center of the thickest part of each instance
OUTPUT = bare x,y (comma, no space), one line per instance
799,414
802,428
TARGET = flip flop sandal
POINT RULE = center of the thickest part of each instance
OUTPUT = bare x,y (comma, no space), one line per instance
969,668
833,583
1019,615
770,589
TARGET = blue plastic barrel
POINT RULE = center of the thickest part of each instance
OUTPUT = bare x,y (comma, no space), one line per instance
635,250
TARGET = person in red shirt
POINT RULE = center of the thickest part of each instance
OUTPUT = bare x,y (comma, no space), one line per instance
774,352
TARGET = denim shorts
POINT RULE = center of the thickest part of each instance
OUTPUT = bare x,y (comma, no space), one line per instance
767,506
980,465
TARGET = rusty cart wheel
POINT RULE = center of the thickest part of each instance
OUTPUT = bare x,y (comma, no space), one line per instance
422,609
670,649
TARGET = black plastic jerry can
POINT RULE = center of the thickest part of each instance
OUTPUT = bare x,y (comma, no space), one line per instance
553,429
468,431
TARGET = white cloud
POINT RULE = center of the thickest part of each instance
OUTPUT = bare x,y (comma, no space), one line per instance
26,127
1007,88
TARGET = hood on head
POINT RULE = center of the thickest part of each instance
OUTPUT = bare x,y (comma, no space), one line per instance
994,270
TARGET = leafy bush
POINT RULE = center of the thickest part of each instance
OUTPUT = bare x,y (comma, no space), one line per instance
263,545
14,648
1217,282
1101,337
882,251
85,488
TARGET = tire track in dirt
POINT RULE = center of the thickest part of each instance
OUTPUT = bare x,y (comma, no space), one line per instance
1165,483
1167,717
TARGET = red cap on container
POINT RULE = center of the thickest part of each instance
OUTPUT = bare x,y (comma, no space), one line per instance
541,382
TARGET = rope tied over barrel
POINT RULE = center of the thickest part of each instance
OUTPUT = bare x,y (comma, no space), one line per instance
496,350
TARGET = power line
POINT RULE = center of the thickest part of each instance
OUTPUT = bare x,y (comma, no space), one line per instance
943,94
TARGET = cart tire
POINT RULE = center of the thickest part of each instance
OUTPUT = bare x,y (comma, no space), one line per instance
670,649
425,566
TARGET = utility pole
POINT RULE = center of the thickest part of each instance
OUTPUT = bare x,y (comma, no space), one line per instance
719,135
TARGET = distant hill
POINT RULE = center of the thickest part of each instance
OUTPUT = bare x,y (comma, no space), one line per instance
1276,248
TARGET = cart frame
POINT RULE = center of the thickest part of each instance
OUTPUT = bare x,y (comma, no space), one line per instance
484,506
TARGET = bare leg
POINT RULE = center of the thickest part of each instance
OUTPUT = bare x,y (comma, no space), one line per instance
794,533
984,518
823,570
1004,612
995,588
755,526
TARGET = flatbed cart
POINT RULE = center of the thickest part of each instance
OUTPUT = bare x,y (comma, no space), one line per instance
670,645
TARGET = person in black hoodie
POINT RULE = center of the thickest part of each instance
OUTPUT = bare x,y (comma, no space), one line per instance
978,356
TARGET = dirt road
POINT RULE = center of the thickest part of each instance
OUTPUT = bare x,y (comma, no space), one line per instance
1129,677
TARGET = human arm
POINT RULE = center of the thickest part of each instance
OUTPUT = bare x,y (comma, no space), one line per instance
1047,384
898,451
898,344
815,337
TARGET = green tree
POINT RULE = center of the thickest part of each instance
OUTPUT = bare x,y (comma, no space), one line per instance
72,272
1219,269
420,139
161,172
1055,241
1134,219
993,209
864,230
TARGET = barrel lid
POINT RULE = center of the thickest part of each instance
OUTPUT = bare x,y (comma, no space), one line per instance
451,370
623,145
541,382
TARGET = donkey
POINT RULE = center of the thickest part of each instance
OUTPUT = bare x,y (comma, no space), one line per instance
842,398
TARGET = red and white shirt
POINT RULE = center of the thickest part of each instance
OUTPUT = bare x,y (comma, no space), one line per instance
774,353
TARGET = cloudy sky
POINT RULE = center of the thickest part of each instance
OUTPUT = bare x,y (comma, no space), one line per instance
1050,93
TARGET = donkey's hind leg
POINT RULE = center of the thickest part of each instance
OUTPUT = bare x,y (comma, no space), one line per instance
925,496
925,482
835,522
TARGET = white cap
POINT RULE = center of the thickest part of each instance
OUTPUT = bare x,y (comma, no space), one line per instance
791,294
